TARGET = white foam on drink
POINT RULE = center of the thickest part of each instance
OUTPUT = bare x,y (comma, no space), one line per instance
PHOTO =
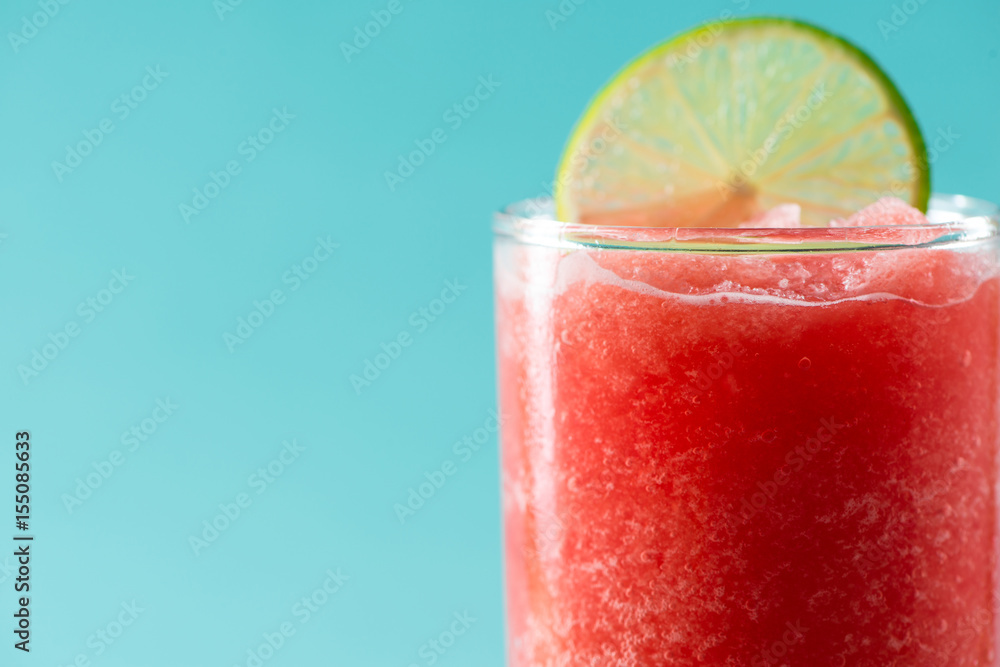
581,267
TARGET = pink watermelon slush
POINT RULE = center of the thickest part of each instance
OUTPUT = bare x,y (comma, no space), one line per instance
750,458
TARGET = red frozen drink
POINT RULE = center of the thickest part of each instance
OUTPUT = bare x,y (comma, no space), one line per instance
735,447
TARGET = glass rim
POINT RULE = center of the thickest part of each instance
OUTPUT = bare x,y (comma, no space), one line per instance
955,221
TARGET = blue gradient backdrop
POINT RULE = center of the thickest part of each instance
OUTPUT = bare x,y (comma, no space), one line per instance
331,508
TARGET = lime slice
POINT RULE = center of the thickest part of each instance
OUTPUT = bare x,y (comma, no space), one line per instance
733,118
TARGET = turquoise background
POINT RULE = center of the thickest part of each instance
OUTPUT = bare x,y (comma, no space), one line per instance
162,336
